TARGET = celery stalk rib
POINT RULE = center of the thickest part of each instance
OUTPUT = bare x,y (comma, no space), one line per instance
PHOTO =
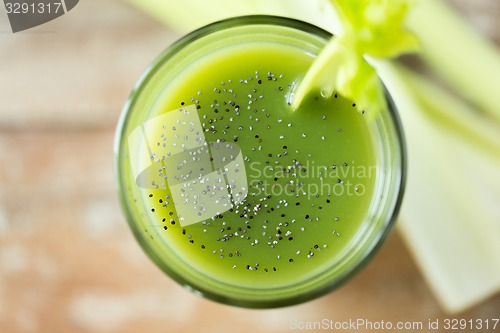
188,15
468,61
449,216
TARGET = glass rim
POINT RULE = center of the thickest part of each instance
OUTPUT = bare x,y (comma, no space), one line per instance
296,298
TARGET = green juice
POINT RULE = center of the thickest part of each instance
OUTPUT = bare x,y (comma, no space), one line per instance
237,196
305,201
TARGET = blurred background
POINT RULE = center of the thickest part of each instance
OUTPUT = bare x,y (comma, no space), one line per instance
68,262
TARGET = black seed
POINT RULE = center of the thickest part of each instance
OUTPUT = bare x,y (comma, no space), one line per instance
307,216
153,210
191,241
297,204
259,82
290,238
290,260
160,201
283,215
150,195
328,201
182,103
165,227
198,107
202,246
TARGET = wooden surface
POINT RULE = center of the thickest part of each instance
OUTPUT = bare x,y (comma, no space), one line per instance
68,262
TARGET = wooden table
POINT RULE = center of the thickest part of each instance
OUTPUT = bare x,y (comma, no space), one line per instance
68,262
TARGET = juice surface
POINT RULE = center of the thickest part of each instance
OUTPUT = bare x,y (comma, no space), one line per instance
298,183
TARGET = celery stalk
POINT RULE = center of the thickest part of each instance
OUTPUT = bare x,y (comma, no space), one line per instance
187,15
468,62
453,115
450,215
370,29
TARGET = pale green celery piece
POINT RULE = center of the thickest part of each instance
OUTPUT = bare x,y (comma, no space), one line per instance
468,61
450,215
376,27
452,114
340,68
187,15
370,28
